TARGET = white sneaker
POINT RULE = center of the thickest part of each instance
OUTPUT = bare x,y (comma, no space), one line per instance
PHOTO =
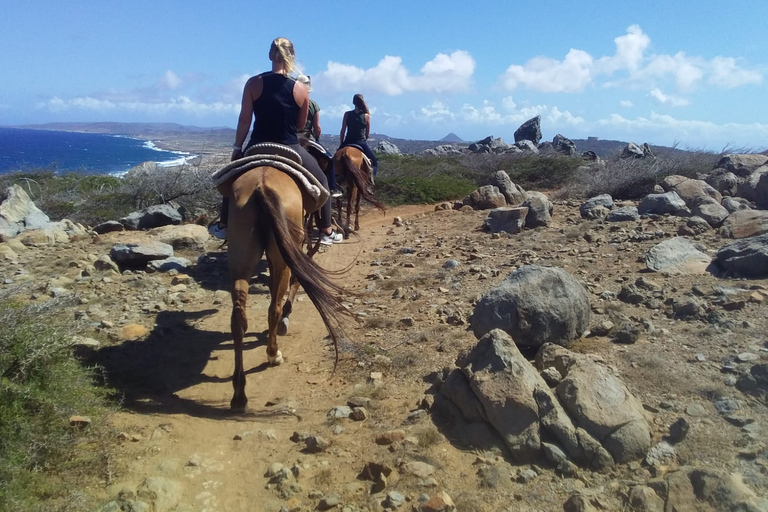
218,230
335,193
332,238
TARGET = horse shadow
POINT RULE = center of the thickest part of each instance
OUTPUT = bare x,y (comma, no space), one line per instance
146,375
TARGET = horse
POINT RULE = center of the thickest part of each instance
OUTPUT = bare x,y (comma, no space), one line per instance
351,166
266,215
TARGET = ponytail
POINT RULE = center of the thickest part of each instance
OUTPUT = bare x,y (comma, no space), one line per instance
282,49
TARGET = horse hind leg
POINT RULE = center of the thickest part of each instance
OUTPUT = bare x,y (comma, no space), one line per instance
282,327
280,276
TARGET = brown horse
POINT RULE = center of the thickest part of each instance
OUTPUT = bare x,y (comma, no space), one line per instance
265,216
351,166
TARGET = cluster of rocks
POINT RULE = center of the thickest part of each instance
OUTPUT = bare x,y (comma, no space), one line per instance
512,208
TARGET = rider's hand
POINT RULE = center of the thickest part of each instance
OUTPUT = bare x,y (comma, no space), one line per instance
236,155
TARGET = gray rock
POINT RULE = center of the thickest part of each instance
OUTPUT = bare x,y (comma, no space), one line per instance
138,255
690,189
623,214
172,263
748,188
486,198
161,493
387,148
677,256
540,210
564,145
602,200
747,257
659,204
535,305
108,227
644,499
508,219
632,150
742,164
529,130
599,403
513,194
19,213
187,236
527,145
724,181
708,209
152,217
745,223
734,204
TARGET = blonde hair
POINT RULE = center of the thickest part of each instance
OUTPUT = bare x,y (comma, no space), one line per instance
282,50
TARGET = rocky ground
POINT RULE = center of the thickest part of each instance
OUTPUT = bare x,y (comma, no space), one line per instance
414,276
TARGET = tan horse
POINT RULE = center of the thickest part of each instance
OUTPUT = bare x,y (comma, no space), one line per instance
265,216
351,166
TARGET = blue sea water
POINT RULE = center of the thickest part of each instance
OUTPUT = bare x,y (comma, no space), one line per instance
92,153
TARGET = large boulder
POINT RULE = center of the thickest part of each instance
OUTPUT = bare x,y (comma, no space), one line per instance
19,213
748,188
623,214
761,191
709,209
535,305
540,209
632,150
507,218
138,255
387,148
690,190
187,236
514,194
745,223
659,204
494,383
734,204
563,145
152,217
527,145
529,130
744,164
486,198
724,181
598,402
602,200
747,257
677,256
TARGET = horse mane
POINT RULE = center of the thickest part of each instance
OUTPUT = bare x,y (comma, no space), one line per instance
315,280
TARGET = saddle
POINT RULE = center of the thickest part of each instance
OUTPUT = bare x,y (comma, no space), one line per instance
279,157
366,161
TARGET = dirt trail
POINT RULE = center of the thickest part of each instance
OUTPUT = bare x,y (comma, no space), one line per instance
221,458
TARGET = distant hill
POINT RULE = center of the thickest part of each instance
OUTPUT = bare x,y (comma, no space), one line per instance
217,140
451,137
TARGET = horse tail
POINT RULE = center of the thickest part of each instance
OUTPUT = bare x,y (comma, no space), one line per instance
362,182
315,280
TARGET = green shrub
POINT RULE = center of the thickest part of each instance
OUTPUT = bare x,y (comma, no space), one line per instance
42,385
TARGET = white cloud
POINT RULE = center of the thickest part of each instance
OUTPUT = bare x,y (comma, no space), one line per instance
335,111
178,104
170,80
626,104
444,73
508,103
487,114
663,99
437,112
724,72
630,65
543,74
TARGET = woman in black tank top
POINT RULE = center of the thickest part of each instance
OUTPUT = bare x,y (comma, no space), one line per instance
279,105
357,125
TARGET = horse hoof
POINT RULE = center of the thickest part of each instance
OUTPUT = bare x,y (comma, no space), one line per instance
238,406
282,327
277,360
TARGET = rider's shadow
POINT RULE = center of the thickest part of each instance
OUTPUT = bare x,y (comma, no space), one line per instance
147,374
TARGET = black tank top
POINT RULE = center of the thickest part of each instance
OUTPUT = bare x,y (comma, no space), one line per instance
275,110
355,125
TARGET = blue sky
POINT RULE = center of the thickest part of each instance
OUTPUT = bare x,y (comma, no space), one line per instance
688,73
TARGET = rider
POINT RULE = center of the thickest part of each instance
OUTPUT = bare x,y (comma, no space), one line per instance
313,130
279,105
357,125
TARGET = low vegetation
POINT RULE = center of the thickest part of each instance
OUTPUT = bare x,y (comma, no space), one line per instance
44,458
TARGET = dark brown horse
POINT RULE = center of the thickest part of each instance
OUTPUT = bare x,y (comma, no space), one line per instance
352,167
265,216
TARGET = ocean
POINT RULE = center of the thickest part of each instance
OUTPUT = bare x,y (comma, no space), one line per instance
91,153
